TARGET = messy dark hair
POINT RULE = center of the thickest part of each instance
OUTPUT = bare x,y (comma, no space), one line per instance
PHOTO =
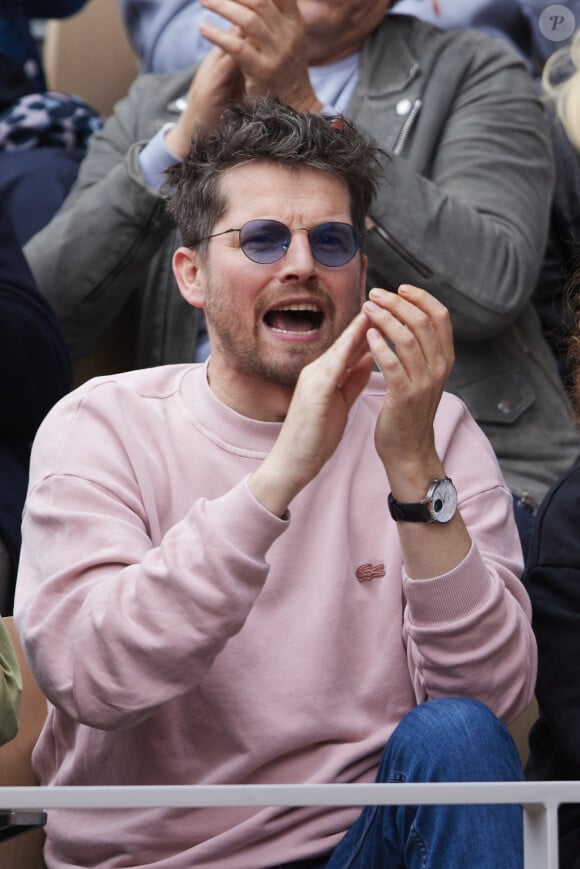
264,129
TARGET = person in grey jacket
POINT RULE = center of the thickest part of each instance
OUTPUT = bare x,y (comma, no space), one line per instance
462,210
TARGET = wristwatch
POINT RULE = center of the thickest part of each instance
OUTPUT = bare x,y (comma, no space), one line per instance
438,505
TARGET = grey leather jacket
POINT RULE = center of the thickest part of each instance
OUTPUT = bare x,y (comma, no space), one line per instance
462,211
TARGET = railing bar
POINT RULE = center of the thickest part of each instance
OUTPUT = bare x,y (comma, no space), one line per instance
530,794
540,801
541,837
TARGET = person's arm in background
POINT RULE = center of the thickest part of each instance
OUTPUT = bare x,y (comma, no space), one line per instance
10,688
472,230
114,220
97,250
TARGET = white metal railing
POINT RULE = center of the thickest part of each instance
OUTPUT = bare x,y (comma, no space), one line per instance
540,801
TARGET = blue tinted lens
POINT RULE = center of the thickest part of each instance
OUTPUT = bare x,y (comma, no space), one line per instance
264,241
334,244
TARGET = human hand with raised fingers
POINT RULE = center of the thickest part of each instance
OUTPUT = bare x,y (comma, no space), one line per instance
316,418
218,80
268,44
412,343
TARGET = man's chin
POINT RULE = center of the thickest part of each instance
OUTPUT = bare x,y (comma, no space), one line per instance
282,375
285,372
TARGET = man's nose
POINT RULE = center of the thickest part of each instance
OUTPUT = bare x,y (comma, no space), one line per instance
298,261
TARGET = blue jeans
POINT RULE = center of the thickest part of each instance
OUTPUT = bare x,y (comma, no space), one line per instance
442,740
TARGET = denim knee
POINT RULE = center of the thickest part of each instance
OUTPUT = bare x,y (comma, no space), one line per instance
450,739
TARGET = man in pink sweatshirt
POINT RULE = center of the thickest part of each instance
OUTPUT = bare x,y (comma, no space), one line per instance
261,568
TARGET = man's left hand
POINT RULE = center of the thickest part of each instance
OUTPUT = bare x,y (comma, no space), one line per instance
412,343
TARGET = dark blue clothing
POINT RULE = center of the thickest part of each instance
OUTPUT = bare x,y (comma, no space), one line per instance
552,579
33,181
36,372
23,174
20,65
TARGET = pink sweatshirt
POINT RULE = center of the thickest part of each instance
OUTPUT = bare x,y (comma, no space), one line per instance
185,635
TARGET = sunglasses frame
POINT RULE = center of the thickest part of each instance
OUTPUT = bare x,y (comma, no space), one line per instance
284,246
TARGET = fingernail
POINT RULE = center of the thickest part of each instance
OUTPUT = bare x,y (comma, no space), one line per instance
370,306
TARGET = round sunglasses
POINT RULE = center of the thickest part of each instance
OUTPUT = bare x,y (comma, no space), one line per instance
265,242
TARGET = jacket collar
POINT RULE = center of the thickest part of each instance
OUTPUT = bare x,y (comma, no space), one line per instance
387,62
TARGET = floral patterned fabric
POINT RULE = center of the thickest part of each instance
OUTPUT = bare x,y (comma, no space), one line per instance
48,120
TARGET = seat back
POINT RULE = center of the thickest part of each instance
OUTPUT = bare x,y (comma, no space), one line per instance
89,55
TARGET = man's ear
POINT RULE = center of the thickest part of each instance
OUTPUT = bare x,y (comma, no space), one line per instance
186,268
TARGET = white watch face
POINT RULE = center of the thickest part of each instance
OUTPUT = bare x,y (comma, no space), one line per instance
443,498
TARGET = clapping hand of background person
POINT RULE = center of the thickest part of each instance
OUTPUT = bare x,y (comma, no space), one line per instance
263,52
268,43
218,81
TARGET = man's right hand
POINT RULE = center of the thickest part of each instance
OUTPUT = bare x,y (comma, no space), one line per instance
316,418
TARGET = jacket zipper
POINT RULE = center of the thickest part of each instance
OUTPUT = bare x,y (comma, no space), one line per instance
401,252
406,128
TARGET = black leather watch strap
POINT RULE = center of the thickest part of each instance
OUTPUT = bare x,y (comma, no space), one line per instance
408,512
439,504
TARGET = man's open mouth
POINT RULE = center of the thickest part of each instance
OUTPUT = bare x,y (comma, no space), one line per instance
304,318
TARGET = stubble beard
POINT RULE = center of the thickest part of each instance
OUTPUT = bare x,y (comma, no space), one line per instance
248,357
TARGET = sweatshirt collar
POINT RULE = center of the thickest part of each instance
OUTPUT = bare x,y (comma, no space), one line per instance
219,423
